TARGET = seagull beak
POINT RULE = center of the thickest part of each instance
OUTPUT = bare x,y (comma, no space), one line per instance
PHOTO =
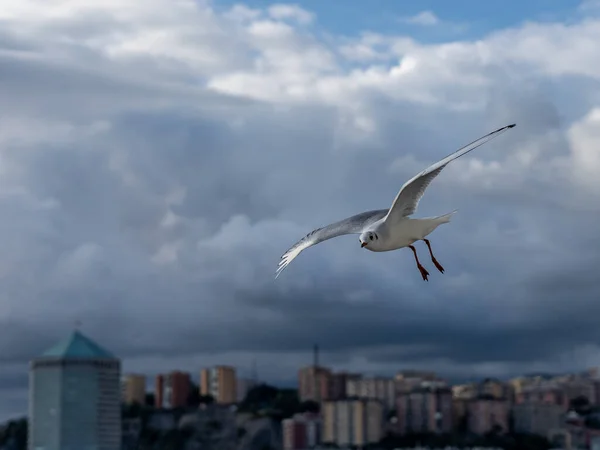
363,244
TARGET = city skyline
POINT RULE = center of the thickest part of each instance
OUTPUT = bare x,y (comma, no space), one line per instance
157,158
78,393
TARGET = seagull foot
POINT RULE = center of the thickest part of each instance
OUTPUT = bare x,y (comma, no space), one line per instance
438,265
424,272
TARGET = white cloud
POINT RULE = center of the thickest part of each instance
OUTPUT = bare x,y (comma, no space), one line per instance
589,6
424,18
286,11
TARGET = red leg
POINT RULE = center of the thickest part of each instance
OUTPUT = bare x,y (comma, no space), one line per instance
437,264
422,269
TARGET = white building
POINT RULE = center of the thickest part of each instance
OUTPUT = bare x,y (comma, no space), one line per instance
379,388
356,422
75,397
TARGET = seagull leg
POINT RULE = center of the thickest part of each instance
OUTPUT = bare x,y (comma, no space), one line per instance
422,269
437,264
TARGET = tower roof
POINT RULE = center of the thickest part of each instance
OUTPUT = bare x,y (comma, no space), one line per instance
78,346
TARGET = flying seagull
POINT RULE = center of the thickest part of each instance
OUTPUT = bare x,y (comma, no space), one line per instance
384,230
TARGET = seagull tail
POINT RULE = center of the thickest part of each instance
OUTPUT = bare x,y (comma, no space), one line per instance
446,217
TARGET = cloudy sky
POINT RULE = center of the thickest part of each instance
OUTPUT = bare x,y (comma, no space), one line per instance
157,157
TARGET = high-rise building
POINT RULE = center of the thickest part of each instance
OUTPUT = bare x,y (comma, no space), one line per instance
538,418
338,383
355,422
425,410
219,382
134,389
314,383
380,388
75,397
487,414
301,432
172,390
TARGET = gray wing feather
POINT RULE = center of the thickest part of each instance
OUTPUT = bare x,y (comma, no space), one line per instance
410,194
352,225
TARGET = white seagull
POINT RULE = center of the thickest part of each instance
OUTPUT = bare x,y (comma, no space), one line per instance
384,230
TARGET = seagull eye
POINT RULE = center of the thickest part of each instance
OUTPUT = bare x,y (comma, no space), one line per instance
371,237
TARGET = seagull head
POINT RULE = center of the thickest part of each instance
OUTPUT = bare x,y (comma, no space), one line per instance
367,237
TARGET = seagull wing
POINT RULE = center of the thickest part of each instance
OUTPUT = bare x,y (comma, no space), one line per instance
410,194
352,225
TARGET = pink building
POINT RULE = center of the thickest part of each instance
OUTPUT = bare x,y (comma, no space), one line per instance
425,410
486,414
301,431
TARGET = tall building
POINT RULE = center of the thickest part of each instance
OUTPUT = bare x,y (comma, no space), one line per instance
425,410
352,422
134,389
314,383
338,383
172,390
219,382
75,397
538,418
301,432
487,414
380,388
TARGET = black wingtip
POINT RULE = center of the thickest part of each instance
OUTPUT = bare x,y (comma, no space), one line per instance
512,126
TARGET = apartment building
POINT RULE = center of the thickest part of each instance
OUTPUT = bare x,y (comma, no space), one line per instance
134,389
302,431
538,418
220,382
379,388
353,422
487,414
172,390
314,383
425,410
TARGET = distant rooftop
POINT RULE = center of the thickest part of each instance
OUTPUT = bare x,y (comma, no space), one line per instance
78,346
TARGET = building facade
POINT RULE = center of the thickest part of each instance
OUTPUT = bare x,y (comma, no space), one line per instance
352,422
487,414
172,390
314,383
538,418
425,410
338,384
134,389
75,397
303,431
220,382
379,388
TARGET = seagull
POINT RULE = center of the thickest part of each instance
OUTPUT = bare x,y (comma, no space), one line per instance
384,230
